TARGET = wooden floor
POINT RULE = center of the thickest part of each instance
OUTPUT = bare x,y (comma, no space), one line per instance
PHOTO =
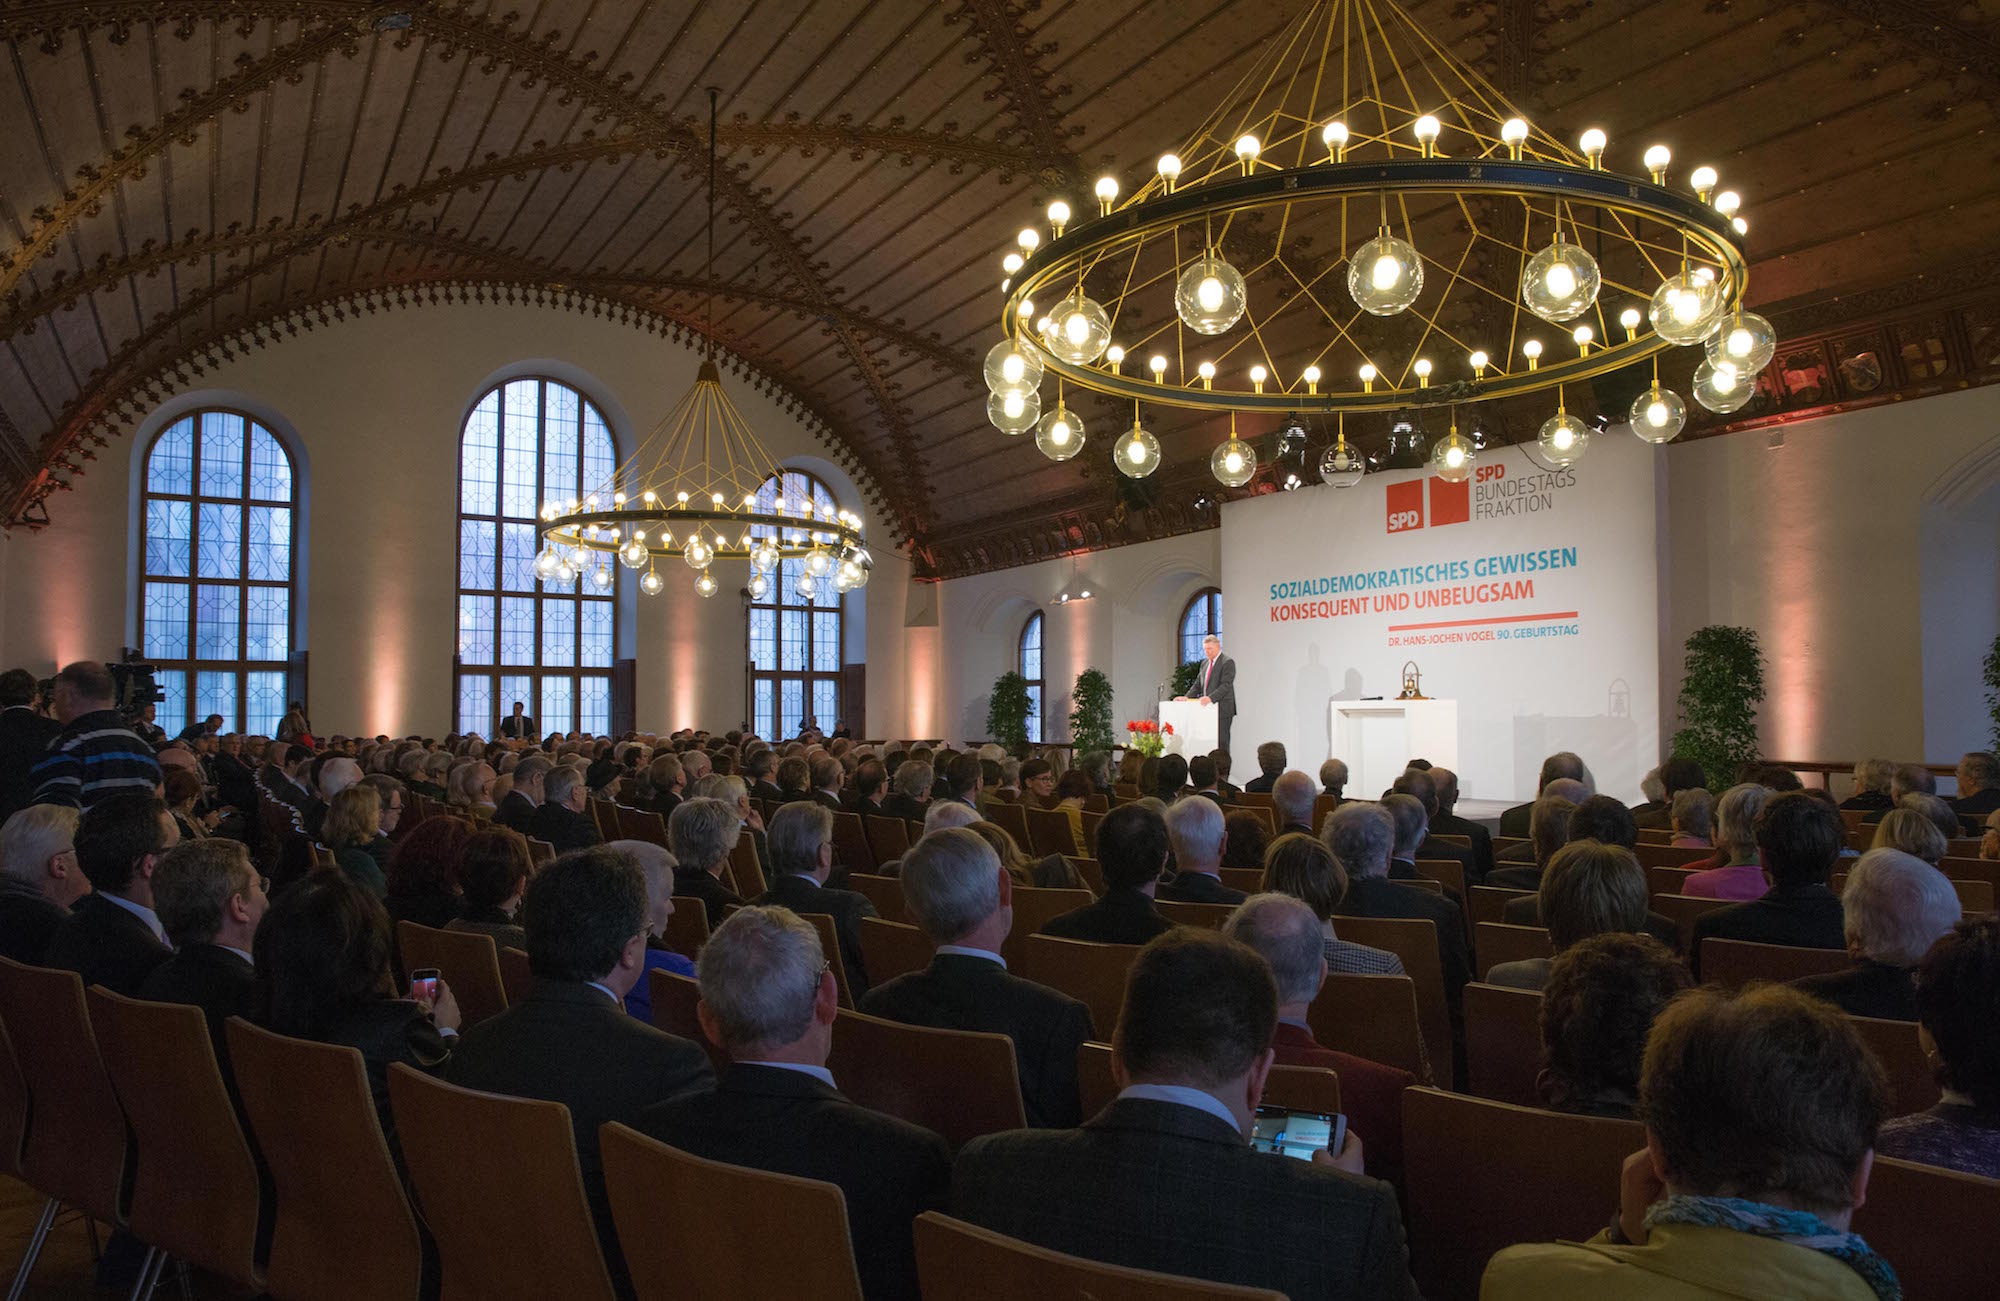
65,1271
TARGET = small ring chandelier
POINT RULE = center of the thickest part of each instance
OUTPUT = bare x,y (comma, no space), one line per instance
702,487
1407,240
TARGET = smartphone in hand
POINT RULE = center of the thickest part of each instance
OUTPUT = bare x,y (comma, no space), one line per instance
424,985
1298,1134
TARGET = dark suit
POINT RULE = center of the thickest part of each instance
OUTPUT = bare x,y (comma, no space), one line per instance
566,829
1868,800
213,979
847,908
1866,989
1514,822
788,1122
24,739
1217,681
1380,897
1124,1178
899,805
713,894
766,789
28,921
827,801
107,946
1199,887
1977,806
1808,917
959,992
1467,859
1261,784
518,812
521,728
1450,824
574,1044
1120,917
664,803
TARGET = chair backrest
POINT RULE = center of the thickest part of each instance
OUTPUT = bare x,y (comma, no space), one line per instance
1250,880
1204,916
195,1190
515,977
1050,832
957,1083
1481,1175
1092,820
13,1108
1296,1088
675,998
1463,842
305,1100
829,947
1094,974
540,852
892,948
1447,872
1373,1017
1667,880
469,961
885,892
1010,818
500,1188
1503,1042
1913,1085
850,844
1971,869
724,1249
1489,902
1735,963
957,1261
75,1150
1974,897
1323,805
1091,870
686,932
1682,910
1415,941
603,816
1667,856
1497,942
888,837
749,872
1033,910
1262,812
643,824
1935,1226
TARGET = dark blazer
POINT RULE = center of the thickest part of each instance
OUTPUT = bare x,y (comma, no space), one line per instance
664,803
846,907
28,921
898,805
787,1122
1261,784
385,1031
1808,917
518,812
1199,887
564,828
826,801
1977,806
957,992
1514,821
1221,688
714,895
766,789
1450,824
1379,897
1868,800
1445,851
1120,917
570,1043
213,979
1260,1220
24,739
518,729
106,945
1867,989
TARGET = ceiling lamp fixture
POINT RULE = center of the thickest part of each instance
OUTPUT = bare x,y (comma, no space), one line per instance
702,487
1357,146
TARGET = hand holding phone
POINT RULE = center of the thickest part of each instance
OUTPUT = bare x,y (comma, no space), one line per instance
1299,1134
424,987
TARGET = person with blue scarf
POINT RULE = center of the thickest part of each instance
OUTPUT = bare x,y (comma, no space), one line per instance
1761,1110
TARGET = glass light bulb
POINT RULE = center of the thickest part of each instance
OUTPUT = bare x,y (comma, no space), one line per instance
1728,202
600,576
1082,331
1028,239
1630,318
1658,414
652,583
1513,131
1058,213
1384,276
1210,296
1452,459
760,587
806,587
1169,166
1702,179
1233,462
1684,309
1341,466
1426,128
1564,438
1138,453
698,553
1657,158
1745,341
1310,374
1334,135
1011,263
1107,188
633,554
1560,282
1059,435
818,563
1247,147
1723,388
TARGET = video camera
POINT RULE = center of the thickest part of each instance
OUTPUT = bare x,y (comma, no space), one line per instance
132,688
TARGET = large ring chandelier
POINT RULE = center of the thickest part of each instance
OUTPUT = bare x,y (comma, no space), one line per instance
1365,224
701,487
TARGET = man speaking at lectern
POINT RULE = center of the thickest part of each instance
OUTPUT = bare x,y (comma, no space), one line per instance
1216,685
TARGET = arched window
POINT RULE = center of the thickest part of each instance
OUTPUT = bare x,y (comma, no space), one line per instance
215,608
1202,616
796,641
547,644
1030,667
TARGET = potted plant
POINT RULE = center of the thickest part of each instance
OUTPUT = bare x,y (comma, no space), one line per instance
1185,677
1147,737
1007,712
1993,690
1090,712
1722,685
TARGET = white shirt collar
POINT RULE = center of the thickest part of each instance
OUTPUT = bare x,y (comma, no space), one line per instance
241,953
1182,1096
141,911
820,1073
600,985
960,951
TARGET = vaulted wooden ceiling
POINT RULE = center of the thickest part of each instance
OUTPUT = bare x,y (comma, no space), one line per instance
179,179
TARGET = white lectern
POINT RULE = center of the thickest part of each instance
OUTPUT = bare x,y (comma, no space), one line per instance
1196,727
1378,737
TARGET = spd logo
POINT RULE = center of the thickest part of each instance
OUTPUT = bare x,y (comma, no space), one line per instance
1406,505
1451,503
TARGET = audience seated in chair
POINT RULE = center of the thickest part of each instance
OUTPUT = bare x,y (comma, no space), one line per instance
1446,822
1590,888
1050,872
1560,766
423,872
1675,776
1520,866
1292,798
1249,836
40,879
1692,819
571,1040
1978,785
1199,835
1360,836
113,937
958,892
658,866
1798,841
1872,778
769,1000
1191,1055
1270,764
351,827
1602,997
211,900
1132,850
1907,779
1304,868
1761,1111
1911,832
702,833
910,791
1958,1010
517,809
1895,907
493,868
1333,780
1421,785
801,840
560,818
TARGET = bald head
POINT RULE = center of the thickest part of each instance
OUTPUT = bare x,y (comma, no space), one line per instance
1292,796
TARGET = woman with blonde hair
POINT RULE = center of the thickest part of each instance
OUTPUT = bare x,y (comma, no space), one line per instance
1304,868
1051,873
353,821
1913,832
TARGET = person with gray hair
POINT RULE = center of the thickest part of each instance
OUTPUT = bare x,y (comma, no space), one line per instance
962,896
801,840
658,865
1412,825
559,818
1871,787
1740,875
1909,831
701,833
1563,765
39,878
1907,779
944,814
1199,833
1934,809
517,808
1978,779
1896,906
1361,836
1292,797
697,765
1692,825
910,790
768,1000
1333,778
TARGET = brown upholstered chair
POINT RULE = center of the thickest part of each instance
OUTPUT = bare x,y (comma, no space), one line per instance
748,871
1682,910
1481,1175
1012,819
1415,941
1091,973
1503,1043
1296,1088
957,1083
540,852
1668,856
1032,910
1935,1226
675,998
1090,870
1913,1085
892,948
885,892
194,1187
888,837
1667,880
829,947
469,961
851,849
957,1261
1373,1017
1496,942
1203,916
1250,880
515,977
500,1188
1450,874
305,1100
1489,902
13,1108
1092,820
642,824
1735,963
726,1250
687,929
1050,832
75,1154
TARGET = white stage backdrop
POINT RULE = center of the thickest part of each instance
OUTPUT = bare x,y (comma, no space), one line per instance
1527,595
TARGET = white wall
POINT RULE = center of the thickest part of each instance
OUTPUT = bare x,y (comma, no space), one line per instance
377,402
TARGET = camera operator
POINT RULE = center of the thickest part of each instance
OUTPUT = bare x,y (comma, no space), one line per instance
97,753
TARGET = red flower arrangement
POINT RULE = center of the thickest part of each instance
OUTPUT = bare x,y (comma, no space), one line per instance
1147,736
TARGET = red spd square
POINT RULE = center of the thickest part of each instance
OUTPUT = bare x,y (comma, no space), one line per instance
1451,503
1406,505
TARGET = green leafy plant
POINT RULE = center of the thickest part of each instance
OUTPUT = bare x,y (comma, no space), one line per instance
1186,676
1007,712
1722,686
1993,690
1090,712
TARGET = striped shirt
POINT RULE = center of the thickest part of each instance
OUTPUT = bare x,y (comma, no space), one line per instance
95,756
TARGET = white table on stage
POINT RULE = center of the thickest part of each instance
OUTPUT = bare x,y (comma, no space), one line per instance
1196,727
1377,738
